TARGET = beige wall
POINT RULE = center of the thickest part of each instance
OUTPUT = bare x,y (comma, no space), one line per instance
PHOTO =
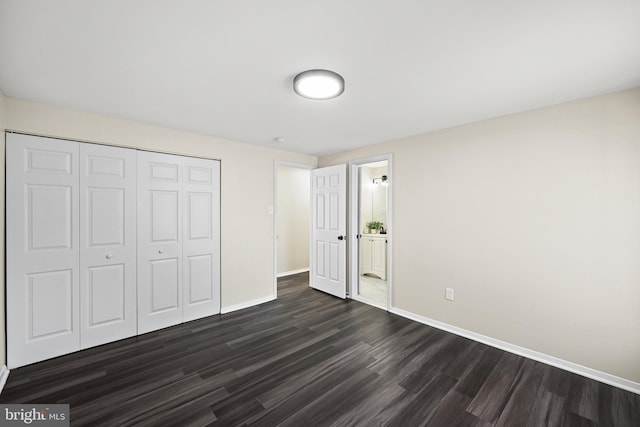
246,181
294,187
3,359
534,220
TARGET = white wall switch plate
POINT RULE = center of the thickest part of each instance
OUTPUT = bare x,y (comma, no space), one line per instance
449,294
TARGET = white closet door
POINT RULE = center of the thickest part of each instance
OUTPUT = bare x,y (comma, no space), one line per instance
42,249
159,241
107,244
201,242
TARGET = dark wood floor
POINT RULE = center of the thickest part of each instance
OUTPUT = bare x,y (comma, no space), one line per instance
310,359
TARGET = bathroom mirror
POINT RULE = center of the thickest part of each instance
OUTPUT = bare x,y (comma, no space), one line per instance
374,185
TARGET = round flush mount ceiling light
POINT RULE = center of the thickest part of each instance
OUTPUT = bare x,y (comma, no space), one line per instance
318,84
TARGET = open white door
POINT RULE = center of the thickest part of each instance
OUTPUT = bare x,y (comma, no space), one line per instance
328,230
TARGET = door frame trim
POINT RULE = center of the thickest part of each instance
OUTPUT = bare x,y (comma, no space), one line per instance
353,258
110,144
276,165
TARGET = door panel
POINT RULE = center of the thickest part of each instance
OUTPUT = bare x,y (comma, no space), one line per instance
107,289
199,276
100,165
54,288
199,215
334,253
201,231
165,207
165,293
328,254
319,210
42,185
53,230
319,261
47,160
106,215
165,169
159,241
334,212
107,244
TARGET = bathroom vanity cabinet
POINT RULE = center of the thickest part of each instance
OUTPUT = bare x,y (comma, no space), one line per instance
373,255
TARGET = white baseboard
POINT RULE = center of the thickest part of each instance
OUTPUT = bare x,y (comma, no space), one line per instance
289,273
4,375
246,304
594,374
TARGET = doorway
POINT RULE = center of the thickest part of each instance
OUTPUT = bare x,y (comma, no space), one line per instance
291,219
370,218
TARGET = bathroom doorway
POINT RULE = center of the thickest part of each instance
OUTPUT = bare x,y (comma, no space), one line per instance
370,218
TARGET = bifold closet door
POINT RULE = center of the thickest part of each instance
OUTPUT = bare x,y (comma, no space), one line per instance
201,238
159,241
107,244
42,248
97,249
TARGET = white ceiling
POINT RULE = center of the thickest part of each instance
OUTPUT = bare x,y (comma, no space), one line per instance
225,67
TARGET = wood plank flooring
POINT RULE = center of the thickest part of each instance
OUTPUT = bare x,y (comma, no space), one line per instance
309,359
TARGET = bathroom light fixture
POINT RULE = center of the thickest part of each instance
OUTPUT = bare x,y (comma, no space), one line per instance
318,84
381,180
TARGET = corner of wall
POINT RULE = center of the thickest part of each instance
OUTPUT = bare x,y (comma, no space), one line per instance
3,115
4,375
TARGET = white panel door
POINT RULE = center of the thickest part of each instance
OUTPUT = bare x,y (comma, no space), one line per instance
329,215
107,244
201,238
42,248
159,241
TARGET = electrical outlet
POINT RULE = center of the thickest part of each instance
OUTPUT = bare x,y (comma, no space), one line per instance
449,294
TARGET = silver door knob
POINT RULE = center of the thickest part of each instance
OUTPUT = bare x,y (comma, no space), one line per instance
160,251
108,256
